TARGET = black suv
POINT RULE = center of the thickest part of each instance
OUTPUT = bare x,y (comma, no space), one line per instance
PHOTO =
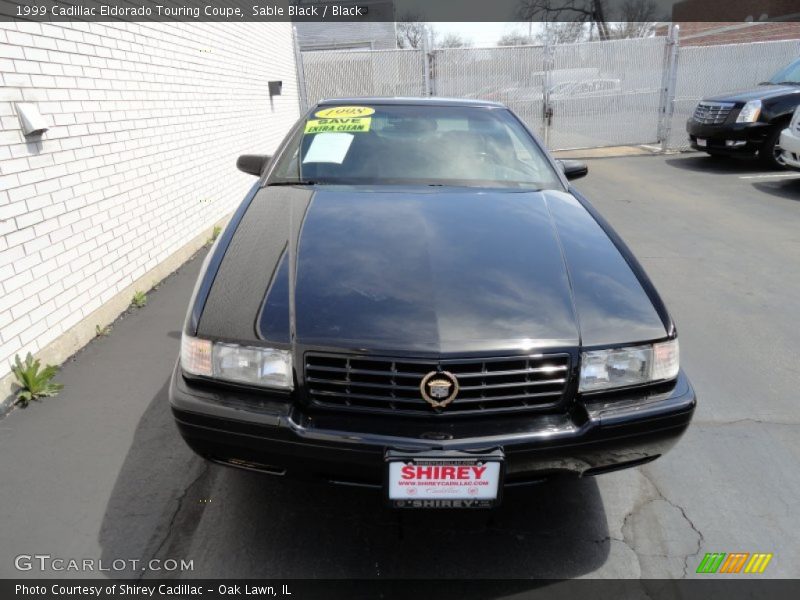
750,121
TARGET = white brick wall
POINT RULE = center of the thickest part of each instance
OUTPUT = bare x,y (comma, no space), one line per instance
146,121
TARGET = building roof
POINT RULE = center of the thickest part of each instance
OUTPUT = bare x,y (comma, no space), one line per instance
376,32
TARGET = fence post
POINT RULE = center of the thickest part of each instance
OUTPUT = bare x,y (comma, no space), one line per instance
302,92
547,108
670,77
427,64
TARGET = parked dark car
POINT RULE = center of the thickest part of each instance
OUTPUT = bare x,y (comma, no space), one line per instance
748,122
413,297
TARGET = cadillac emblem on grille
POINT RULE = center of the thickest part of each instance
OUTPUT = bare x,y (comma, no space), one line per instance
439,388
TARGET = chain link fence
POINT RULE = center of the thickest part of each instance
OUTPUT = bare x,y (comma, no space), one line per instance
512,75
584,95
606,94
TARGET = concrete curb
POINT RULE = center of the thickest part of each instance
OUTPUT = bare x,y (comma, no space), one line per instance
71,341
608,152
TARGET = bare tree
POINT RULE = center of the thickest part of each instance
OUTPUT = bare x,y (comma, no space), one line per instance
639,11
635,18
514,39
411,31
563,32
639,19
453,40
583,11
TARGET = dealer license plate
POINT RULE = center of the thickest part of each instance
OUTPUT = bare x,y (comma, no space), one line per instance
702,143
445,479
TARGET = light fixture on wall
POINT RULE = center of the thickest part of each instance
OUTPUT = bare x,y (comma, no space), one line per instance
30,119
275,88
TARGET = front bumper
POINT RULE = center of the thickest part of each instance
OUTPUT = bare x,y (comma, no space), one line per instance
733,138
790,149
242,429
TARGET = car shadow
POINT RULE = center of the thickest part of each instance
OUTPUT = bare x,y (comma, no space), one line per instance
168,503
786,188
718,164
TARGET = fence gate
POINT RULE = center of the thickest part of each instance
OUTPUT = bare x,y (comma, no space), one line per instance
605,94
514,75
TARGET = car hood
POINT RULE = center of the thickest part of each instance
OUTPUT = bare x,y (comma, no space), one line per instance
762,92
434,271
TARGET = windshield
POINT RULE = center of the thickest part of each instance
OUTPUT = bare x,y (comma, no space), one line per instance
788,74
414,145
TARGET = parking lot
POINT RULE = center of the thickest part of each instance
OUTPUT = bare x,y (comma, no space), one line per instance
101,472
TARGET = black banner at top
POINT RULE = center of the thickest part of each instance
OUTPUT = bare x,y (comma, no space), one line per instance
399,10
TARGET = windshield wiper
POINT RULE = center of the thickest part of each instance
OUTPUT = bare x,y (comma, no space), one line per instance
785,82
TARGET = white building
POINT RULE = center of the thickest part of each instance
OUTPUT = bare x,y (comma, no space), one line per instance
145,123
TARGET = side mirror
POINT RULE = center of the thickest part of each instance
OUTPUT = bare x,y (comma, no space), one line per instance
252,164
573,169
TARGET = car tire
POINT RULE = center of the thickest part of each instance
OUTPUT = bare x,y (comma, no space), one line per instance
769,152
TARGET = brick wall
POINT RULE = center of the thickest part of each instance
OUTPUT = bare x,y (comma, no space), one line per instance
710,34
736,10
146,121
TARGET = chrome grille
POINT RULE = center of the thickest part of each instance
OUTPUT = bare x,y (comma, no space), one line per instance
379,384
712,113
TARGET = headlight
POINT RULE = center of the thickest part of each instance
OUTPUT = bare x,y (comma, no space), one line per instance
622,367
749,112
252,365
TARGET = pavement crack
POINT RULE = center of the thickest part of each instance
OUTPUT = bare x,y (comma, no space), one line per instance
636,508
700,537
179,508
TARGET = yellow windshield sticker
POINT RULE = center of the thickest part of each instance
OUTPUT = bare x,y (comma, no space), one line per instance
344,111
349,125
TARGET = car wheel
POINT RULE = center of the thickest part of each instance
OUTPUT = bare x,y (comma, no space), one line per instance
770,152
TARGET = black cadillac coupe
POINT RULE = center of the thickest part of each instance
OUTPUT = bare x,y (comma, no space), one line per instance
414,297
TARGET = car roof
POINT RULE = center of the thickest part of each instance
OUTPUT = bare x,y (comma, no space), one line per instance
413,102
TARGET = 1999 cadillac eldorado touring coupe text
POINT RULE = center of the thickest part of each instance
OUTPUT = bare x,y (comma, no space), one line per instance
413,297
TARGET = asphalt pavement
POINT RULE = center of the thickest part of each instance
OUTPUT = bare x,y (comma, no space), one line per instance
100,471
